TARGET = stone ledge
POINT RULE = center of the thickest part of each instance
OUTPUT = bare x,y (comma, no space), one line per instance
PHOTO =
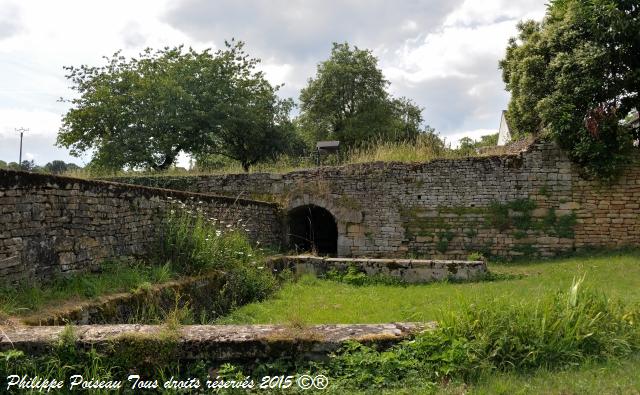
217,342
406,270
12,179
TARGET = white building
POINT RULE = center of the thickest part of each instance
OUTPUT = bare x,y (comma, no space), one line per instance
504,135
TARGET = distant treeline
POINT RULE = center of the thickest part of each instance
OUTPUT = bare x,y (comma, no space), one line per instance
53,167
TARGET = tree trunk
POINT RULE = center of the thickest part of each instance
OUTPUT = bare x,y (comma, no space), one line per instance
169,159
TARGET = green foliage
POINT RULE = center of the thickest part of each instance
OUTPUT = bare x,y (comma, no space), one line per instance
354,276
476,256
519,234
468,146
60,167
142,112
498,216
559,331
192,243
565,224
576,76
559,226
444,238
348,101
526,249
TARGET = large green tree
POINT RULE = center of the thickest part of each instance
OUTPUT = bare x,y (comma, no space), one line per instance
347,100
576,76
142,112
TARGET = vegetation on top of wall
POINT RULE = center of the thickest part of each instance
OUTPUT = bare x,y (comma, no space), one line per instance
426,148
574,76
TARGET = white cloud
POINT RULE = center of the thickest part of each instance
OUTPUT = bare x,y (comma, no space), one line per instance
443,54
475,134
275,73
487,12
448,52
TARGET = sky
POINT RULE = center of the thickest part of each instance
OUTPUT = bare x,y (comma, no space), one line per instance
443,54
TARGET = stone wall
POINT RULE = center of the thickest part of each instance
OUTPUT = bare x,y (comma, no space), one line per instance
51,225
532,203
212,343
402,270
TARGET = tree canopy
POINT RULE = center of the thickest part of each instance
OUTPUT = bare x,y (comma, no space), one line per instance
143,111
348,101
469,146
576,76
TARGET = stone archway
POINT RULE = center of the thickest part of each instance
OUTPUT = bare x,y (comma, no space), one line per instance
312,229
342,217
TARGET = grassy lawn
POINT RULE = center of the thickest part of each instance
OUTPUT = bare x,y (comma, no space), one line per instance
315,301
615,377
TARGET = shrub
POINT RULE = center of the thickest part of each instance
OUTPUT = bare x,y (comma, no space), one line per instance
192,244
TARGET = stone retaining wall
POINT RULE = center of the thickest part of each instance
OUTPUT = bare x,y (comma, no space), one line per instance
202,295
533,203
51,225
212,342
404,270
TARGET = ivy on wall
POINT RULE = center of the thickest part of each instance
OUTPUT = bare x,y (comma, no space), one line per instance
514,218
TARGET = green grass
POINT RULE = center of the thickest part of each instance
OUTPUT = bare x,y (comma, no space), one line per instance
605,378
315,301
116,277
613,377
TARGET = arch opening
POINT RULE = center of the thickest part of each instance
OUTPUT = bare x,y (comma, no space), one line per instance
312,229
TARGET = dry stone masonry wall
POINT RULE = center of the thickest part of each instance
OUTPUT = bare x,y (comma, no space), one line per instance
51,225
533,203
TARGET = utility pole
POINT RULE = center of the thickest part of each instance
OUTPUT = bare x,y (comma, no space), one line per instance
21,130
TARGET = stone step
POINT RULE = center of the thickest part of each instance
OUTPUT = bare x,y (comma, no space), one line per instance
213,342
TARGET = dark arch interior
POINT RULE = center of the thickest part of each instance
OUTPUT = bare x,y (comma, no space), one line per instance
312,228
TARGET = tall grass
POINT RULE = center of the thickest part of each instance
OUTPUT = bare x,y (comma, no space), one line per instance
421,150
192,243
424,149
566,329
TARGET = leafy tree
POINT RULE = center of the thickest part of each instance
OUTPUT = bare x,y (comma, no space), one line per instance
347,101
576,76
28,165
469,146
142,112
56,167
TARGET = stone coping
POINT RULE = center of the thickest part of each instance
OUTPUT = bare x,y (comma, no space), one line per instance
383,261
216,342
15,178
404,270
